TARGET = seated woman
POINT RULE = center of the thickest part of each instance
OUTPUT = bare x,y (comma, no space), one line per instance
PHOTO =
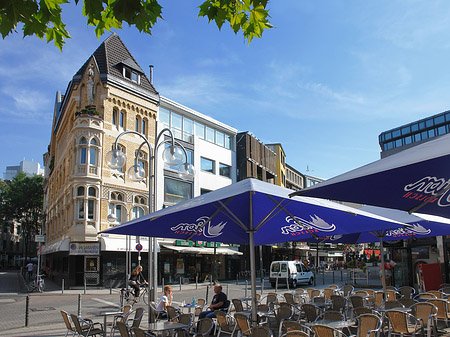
164,301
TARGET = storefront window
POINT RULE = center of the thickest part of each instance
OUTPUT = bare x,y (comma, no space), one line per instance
176,191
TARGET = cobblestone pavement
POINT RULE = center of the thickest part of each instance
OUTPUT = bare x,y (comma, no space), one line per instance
44,317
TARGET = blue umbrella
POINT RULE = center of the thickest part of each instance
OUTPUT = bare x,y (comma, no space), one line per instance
413,179
417,226
255,213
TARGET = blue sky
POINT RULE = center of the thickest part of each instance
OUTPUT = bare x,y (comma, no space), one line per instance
324,83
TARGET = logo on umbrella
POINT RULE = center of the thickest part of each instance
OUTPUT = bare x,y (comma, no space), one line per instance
209,230
298,224
426,190
416,229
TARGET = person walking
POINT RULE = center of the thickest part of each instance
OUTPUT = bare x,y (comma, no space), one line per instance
219,302
30,267
135,281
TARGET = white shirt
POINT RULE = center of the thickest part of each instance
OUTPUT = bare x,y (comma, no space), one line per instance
29,266
161,302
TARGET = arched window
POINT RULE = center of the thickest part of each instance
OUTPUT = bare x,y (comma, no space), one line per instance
83,150
141,160
88,153
138,212
137,126
92,193
93,151
144,126
115,117
117,207
86,202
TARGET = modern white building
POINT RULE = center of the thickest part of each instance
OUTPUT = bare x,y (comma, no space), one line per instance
28,167
211,148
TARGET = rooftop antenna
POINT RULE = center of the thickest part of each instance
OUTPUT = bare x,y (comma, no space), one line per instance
307,169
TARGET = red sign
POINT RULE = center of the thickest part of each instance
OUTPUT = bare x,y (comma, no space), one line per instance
138,247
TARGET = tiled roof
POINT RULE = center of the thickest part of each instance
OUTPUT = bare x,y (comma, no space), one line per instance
110,55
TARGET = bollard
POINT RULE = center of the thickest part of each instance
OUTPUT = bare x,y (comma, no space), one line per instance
110,287
237,279
180,283
262,287
287,283
333,275
85,286
79,305
207,291
276,284
341,275
27,305
228,288
62,286
323,276
210,280
315,277
246,286
196,282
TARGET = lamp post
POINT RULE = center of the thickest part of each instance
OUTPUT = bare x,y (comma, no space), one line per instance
172,156
112,217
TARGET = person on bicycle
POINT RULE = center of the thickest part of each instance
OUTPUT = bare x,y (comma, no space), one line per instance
164,301
135,281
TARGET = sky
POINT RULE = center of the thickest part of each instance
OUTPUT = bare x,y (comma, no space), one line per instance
325,82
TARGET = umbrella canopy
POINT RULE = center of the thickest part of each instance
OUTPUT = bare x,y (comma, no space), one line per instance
228,215
419,226
255,213
416,178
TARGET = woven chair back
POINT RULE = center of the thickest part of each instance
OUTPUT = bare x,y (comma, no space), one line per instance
243,323
367,322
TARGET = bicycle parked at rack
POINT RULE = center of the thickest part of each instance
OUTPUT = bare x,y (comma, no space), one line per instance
127,295
37,285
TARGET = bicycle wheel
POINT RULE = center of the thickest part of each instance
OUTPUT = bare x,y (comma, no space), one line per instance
30,287
144,296
128,297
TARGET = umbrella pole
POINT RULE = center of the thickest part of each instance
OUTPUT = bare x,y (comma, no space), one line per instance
251,235
253,277
383,272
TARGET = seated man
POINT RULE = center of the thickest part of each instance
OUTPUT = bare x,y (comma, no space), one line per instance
219,302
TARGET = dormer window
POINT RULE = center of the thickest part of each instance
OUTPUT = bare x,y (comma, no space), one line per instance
131,75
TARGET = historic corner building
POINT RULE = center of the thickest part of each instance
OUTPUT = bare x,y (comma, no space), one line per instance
110,94
410,253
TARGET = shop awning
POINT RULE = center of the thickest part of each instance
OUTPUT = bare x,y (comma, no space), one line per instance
203,250
108,244
58,246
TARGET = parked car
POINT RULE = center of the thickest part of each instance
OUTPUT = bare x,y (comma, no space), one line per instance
294,272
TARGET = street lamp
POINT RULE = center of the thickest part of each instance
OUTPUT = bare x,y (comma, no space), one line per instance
112,217
172,156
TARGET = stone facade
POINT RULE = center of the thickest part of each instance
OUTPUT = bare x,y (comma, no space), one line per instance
98,105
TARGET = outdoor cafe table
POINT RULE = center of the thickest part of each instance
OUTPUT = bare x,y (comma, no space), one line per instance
105,315
383,310
333,324
162,326
189,307
259,313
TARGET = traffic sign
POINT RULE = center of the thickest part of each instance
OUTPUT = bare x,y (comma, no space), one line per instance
347,249
39,238
138,247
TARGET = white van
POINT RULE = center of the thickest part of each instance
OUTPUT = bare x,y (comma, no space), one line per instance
294,271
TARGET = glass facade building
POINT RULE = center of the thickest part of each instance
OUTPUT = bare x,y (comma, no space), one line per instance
411,134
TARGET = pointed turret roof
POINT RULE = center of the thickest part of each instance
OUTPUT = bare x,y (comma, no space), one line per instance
110,57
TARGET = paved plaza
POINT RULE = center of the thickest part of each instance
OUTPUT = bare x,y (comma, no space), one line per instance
44,317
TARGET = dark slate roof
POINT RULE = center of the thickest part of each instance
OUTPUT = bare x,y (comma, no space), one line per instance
109,57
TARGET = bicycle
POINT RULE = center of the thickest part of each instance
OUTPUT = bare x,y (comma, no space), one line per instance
127,295
37,285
